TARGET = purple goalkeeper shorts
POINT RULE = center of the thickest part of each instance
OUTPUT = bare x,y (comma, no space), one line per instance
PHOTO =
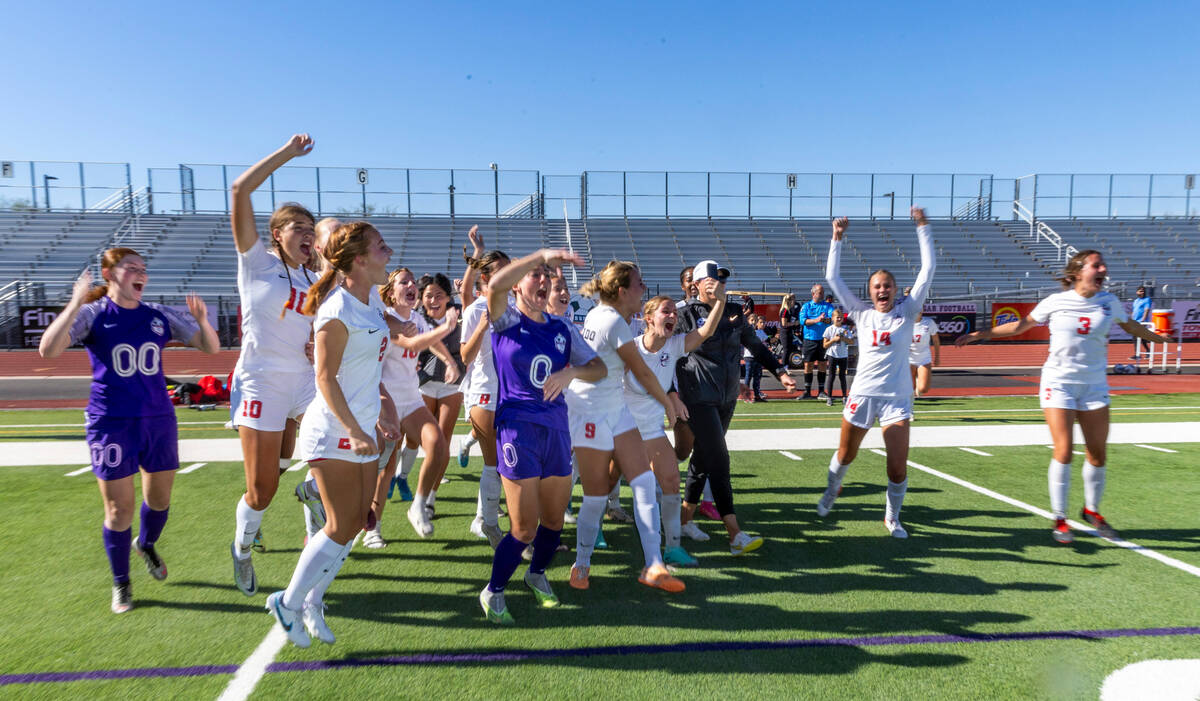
119,445
528,450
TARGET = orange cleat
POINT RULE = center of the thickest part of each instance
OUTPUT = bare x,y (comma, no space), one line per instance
579,577
659,578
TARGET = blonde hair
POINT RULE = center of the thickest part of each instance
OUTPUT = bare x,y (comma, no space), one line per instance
343,246
786,303
654,303
1070,271
108,260
616,275
385,290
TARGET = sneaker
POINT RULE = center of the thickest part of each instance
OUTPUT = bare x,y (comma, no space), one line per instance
743,543
659,578
822,395
154,564
579,577
540,586
314,623
1095,520
760,399
419,518
678,557
464,451
308,496
568,517
289,620
709,510
243,573
1062,532
402,487
828,401
894,527
494,607
493,534
805,396
258,546
373,539
825,504
616,513
122,598
601,543
691,530
477,527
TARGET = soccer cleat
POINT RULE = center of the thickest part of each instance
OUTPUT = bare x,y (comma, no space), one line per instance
122,598
419,518
311,499
579,577
494,607
154,564
289,620
373,539
709,510
464,451
1095,520
243,573
691,530
828,401
679,557
616,513
825,504
314,623
601,543
493,533
658,577
1062,532
743,543
401,486
568,517
822,395
258,545
894,527
477,527
540,586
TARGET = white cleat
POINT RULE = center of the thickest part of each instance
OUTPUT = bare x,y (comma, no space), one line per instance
825,504
373,539
894,527
691,530
419,518
314,623
477,527
289,620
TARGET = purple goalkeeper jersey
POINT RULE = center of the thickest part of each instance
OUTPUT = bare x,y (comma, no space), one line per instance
526,353
125,347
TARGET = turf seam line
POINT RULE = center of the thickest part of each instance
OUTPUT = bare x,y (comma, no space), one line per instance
790,455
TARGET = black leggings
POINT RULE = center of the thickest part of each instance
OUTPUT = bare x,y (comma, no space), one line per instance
710,456
837,366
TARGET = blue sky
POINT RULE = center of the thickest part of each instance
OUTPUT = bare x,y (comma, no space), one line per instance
1006,88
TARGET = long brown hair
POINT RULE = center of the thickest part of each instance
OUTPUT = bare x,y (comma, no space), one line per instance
488,263
608,284
1070,271
343,246
288,213
108,260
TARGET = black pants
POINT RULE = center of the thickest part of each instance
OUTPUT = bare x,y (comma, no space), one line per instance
710,456
837,366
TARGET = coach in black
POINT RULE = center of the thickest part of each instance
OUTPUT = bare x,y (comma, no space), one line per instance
709,382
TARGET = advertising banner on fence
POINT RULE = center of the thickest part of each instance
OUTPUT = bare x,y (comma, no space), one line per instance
34,321
1004,312
1187,315
953,318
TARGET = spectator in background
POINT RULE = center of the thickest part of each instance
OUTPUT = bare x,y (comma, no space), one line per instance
747,303
787,325
1141,313
753,369
816,317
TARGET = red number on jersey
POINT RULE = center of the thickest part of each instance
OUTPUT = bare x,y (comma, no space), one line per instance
409,354
382,348
853,407
916,338
1085,325
881,339
295,301
1047,394
589,430
251,408
485,399
343,444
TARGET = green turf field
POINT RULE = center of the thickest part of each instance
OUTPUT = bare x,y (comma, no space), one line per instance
848,595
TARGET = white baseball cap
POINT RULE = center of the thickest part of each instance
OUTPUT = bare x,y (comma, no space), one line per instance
709,268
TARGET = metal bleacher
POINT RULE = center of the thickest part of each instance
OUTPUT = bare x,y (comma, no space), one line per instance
48,250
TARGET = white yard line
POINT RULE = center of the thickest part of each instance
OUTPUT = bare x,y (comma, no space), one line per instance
192,468
976,452
80,471
255,666
790,455
1154,447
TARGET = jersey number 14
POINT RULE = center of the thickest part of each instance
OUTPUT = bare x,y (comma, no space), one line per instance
881,338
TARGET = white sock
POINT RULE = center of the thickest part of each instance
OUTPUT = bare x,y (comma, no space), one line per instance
318,555
707,496
1093,485
247,522
614,496
645,513
837,472
895,499
670,507
1060,483
408,457
284,464
418,501
490,487
470,440
587,526
429,500
316,596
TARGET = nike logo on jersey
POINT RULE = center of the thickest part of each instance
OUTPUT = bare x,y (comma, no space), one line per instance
372,330
283,277
109,326
524,331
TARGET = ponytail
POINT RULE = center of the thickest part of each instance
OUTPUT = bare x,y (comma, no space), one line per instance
319,290
345,244
109,259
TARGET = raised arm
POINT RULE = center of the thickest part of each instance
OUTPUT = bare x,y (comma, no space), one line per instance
244,231
924,280
696,337
204,340
511,274
833,272
1133,328
57,336
1012,328
420,341
468,279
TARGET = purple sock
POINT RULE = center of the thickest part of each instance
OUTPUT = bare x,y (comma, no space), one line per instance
152,524
505,561
117,544
545,544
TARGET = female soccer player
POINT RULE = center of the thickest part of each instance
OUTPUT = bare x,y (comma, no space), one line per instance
603,430
1074,384
661,348
273,379
837,340
537,356
925,352
130,420
339,433
882,384
400,380
439,387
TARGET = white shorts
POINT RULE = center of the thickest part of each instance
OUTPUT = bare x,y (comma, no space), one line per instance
864,411
321,443
650,418
405,406
1072,395
597,430
265,401
923,359
484,399
440,390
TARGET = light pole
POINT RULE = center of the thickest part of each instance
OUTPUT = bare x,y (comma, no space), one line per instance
496,185
892,210
46,188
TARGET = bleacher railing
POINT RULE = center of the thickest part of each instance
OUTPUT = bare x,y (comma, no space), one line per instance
60,186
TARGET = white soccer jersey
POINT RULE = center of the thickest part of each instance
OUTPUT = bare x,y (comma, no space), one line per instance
605,331
362,363
883,338
662,364
840,349
481,373
922,336
1079,329
400,364
269,343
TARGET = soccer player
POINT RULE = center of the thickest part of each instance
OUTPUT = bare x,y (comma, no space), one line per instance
882,384
837,340
273,379
815,316
925,352
340,432
537,355
130,420
604,431
1074,385
661,348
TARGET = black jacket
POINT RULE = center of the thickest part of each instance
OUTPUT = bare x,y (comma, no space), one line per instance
712,373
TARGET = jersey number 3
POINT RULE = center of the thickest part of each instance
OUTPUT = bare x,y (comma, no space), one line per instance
1085,325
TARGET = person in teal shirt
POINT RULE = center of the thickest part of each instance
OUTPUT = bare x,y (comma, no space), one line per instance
1141,312
815,317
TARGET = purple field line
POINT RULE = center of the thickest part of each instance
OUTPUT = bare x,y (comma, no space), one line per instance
618,650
